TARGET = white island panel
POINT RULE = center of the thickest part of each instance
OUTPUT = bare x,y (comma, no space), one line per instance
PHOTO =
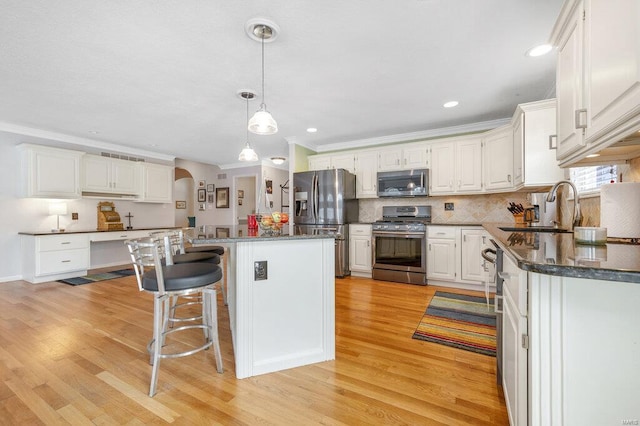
287,320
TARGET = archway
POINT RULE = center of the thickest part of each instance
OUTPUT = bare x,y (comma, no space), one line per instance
183,194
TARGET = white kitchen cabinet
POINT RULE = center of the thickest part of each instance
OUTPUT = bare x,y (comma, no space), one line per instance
441,253
597,75
498,159
416,156
443,168
468,165
472,265
319,162
366,174
50,172
157,183
456,166
53,257
360,253
534,142
336,161
109,175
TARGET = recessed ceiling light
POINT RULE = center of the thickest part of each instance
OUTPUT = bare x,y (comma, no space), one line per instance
278,160
94,132
450,104
312,130
540,50
593,155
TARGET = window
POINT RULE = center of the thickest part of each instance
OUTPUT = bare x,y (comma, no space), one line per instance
590,179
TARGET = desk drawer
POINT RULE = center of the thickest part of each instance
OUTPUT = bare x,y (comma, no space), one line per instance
55,262
62,242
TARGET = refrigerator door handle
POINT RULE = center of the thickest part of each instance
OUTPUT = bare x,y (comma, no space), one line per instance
315,198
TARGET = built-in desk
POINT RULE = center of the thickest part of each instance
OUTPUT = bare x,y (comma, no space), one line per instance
48,256
281,297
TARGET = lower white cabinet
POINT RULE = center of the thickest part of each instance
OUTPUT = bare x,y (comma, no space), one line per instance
54,257
472,266
515,342
441,253
360,253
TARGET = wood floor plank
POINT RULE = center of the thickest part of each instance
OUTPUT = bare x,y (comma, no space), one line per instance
77,355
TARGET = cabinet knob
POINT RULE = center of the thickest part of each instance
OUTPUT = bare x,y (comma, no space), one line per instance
508,178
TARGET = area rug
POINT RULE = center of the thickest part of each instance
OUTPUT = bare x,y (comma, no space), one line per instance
92,278
460,321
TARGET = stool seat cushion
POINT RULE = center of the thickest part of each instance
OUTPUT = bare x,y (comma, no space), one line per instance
183,276
199,249
206,257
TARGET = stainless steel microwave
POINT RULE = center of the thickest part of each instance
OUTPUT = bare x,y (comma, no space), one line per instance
404,183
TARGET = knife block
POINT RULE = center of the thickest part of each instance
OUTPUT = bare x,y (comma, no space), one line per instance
519,218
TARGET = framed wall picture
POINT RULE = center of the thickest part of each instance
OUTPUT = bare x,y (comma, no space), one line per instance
202,195
222,198
181,204
210,198
202,207
240,193
269,185
202,183
222,232
239,201
210,187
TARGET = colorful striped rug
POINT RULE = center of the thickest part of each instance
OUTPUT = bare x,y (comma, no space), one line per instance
92,278
460,321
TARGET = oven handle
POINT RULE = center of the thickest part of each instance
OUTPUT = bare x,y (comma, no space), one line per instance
398,234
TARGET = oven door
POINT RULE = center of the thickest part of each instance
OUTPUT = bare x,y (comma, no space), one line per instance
400,251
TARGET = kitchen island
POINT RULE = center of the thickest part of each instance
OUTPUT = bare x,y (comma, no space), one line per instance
280,294
571,338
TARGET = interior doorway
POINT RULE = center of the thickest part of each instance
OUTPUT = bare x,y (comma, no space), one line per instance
245,196
183,194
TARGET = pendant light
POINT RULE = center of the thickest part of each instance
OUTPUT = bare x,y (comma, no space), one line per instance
247,153
262,123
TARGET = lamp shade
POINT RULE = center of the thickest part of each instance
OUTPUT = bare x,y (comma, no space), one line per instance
262,123
57,208
248,154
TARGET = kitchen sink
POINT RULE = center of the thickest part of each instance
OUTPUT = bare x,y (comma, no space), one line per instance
549,229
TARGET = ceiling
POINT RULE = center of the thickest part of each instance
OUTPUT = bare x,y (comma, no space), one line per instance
163,76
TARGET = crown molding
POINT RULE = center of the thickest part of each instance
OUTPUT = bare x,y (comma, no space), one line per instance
55,139
414,136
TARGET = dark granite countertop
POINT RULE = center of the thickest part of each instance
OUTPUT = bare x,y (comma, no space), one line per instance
211,234
40,233
558,254
453,224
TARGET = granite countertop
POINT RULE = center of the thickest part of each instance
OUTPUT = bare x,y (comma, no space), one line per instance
558,254
90,231
211,234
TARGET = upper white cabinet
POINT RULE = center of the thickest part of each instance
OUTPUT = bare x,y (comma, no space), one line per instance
157,183
534,145
456,166
109,175
335,161
598,75
498,159
366,174
50,172
404,157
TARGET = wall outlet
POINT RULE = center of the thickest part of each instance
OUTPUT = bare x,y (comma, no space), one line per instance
74,216
260,270
448,206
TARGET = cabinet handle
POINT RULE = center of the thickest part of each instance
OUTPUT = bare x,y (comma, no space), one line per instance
553,141
66,261
577,118
65,242
508,178
483,239
368,242
429,247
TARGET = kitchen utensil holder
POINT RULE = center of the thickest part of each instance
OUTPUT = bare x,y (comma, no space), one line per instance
519,218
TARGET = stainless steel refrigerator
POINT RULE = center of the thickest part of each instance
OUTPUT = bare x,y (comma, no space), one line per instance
325,203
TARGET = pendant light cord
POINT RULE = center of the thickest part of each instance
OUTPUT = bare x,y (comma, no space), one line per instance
262,33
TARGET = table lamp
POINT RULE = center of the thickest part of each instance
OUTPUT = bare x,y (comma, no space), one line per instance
58,209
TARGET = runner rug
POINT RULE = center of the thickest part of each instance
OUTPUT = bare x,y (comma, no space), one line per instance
460,321
92,278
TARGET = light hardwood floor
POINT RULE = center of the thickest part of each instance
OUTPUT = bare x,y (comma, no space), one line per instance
77,355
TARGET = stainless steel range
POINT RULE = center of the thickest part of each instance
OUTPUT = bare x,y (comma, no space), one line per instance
400,244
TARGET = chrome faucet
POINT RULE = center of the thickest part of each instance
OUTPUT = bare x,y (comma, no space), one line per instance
577,215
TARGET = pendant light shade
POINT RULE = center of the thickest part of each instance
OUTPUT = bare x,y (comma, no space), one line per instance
262,123
247,153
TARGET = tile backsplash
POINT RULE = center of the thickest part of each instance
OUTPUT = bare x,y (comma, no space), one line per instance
466,208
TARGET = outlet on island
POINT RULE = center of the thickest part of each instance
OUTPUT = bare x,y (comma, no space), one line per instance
448,206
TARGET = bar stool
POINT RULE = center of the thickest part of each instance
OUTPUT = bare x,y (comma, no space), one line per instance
158,275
